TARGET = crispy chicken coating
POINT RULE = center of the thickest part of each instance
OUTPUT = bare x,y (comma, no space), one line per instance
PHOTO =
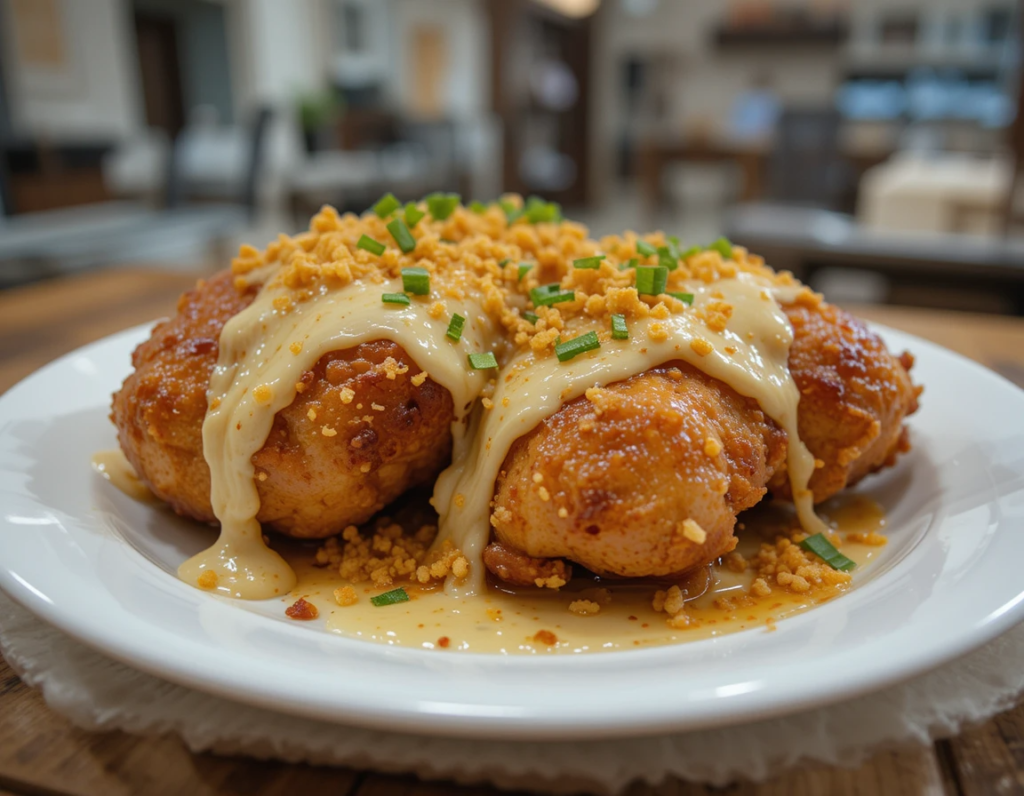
331,459
645,477
642,478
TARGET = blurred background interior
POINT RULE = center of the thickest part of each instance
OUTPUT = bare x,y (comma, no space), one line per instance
871,147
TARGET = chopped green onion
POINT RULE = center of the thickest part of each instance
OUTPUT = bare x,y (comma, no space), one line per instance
395,298
588,262
512,213
416,281
478,207
826,551
503,263
691,251
619,330
524,269
538,211
442,205
546,295
455,327
668,256
371,245
674,241
723,246
645,249
627,265
686,298
413,215
400,232
578,345
483,361
651,279
390,597
387,205
532,317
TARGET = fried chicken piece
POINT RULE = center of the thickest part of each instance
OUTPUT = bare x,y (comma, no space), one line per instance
854,396
310,484
631,481
642,478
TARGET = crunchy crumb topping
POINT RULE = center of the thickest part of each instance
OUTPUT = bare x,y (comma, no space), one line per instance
584,607
207,580
346,596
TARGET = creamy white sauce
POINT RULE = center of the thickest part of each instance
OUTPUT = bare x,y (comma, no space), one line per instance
255,351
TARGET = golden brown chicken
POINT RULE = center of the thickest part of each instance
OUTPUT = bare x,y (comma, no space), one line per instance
645,477
327,463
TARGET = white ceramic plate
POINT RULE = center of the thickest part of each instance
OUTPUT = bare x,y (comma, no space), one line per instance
100,567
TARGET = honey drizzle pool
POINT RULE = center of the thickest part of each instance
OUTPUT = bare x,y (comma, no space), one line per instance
500,621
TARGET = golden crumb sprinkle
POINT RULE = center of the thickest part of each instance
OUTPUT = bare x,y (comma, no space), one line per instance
262,394
681,621
760,587
392,369
658,332
701,347
327,431
538,478
487,403
438,309
346,596
283,303
376,407
692,531
545,637
552,582
302,610
735,562
874,538
459,500
261,476
712,447
296,347
207,580
311,414
544,494
347,394
460,567
584,607
419,378
563,512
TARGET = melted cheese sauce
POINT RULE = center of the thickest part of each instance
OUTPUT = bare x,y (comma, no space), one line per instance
258,367
114,467
519,621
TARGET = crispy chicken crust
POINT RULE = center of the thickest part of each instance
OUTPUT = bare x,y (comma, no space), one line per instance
611,479
311,483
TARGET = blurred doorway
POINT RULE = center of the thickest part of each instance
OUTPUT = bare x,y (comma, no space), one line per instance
160,70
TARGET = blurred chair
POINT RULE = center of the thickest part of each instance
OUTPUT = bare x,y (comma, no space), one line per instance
39,245
806,167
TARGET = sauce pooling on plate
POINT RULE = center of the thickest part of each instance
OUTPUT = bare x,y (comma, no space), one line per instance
330,290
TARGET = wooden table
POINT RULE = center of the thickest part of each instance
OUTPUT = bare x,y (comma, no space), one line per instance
41,753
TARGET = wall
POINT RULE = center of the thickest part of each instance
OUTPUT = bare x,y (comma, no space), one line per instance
96,96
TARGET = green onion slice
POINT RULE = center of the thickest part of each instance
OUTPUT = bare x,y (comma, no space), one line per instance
538,211
686,298
416,281
403,237
691,251
578,345
371,245
395,298
524,269
483,361
390,597
512,213
455,327
386,205
668,256
442,205
413,215
651,279
619,330
546,295
723,246
826,551
645,249
627,265
588,262
478,207
532,317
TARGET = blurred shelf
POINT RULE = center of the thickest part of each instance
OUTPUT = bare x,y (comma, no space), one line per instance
783,35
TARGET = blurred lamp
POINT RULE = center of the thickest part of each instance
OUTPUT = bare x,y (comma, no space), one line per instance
572,8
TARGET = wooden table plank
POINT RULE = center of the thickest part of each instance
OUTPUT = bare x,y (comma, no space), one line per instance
40,752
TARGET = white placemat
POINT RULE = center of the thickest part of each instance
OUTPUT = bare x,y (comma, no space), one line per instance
97,693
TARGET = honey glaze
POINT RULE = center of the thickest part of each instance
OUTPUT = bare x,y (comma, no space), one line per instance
508,621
